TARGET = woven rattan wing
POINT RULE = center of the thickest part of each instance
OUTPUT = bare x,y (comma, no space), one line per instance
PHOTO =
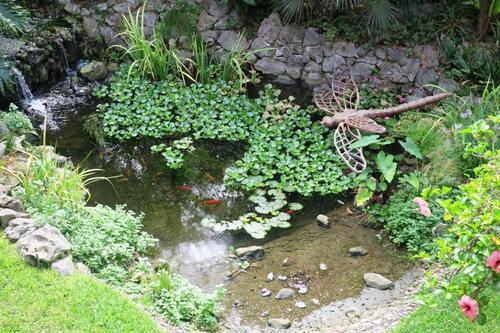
365,124
325,102
345,92
343,138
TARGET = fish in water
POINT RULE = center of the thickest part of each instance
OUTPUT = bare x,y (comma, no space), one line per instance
184,187
290,212
212,202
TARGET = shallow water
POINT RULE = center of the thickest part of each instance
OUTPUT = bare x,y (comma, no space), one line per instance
173,214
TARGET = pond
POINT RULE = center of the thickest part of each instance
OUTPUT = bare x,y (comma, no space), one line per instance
175,202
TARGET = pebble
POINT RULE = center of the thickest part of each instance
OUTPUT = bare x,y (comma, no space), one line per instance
282,277
358,251
315,301
285,262
300,304
270,277
323,220
323,267
285,293
303,290
264,292
264,314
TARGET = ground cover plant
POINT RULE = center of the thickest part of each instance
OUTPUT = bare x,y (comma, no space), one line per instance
48,302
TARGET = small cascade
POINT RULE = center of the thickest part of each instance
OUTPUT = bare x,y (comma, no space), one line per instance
23,90
64,57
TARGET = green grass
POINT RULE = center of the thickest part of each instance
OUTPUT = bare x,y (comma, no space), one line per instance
39,300
446,317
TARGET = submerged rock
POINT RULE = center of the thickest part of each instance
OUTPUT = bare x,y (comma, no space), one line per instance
44,245
377,281
323,220
285,293
250,252
358,251
279,323
64,266
94,70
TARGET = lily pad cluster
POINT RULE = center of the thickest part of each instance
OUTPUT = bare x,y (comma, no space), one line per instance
268,214
174,154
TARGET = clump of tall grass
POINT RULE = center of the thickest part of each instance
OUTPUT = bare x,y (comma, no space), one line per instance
150,58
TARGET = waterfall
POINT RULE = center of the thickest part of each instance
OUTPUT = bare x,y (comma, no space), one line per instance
23,89
64,57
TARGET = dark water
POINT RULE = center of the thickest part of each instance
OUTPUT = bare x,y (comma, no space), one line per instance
173,215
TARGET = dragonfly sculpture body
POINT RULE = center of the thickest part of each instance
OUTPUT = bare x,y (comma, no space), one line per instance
340,102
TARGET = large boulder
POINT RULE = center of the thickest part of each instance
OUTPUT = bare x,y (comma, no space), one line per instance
7,214
231,40
12,203
427,55
312,37
377,281
20,227
291,34
330,64
94,70
44,245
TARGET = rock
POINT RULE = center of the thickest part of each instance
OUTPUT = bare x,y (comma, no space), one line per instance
312,37
4,131
90,26
380,53
19,227
3,149
314,79
82,268
270,277
7,214
285,293
352,312
231,40
108,34
262,48
411,68
264,292
397,54
124,7
250,252
44,245
12,203
362,70
205,21
283,51
265,314
323,220
270,28
345,49
291,34
323,267
279,323
377,281
35,55
448,85
270,66
285,262
315,53
393,72
64,266
439,229
427,55
300,304
330,64
312,67
358,251
293,71
425,76
285,79
18,142
150,18
94,70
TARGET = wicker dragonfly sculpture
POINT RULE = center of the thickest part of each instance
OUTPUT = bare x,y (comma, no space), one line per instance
340,102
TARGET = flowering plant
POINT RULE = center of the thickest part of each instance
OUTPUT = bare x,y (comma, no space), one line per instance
470,249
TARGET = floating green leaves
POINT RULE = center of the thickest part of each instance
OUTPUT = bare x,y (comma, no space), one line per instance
174,154
267,216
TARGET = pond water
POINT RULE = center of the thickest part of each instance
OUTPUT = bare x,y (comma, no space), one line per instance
174,203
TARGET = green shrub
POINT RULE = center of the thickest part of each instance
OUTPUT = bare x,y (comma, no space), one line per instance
181,302
178,20
401,218
16,121
473,214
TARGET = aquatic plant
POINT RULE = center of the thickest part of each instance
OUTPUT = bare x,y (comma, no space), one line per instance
269,214
16,121
174,154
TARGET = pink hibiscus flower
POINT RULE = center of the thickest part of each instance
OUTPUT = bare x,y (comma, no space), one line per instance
425,211
419,201
494,261
469,307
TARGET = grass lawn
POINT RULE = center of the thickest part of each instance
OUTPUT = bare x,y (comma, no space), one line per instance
39,300
448,318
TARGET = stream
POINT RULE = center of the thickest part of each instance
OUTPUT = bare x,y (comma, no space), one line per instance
174,203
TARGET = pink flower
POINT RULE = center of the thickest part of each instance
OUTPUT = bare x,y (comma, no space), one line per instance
494,261
420,202
469,307
402,99
425,211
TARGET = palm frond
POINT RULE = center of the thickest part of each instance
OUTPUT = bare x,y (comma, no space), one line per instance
345,4
380,15
13,18
294,10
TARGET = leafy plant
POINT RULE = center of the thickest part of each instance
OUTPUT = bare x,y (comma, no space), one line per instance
401,218
179,20
13,17
471,243
182,302
173,154
268,215
7,83
16,121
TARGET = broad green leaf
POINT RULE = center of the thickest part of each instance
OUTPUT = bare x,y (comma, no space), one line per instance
363,196
411,147
295,206
366,141
386,165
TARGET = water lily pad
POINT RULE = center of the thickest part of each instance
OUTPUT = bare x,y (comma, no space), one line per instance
295,206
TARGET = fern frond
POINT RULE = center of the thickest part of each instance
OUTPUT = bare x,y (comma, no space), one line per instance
13,18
